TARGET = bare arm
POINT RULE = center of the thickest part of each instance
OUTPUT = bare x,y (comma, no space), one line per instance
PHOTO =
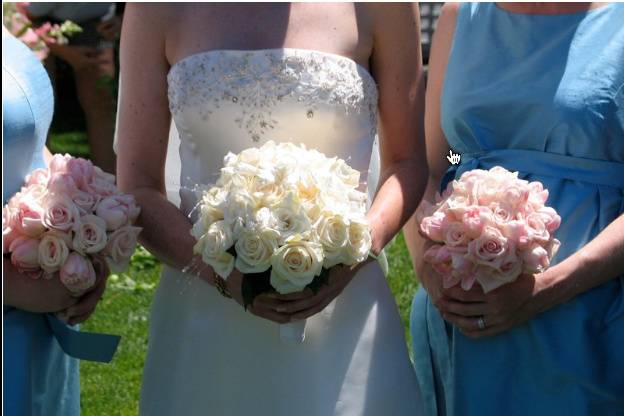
143,128
397,67
437,147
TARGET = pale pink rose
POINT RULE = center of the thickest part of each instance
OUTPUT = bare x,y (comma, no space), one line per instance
58,163
535,259
120,247
90,235
100,186
440,258
552,247
549,217
77,274
81,171
518,232
455,234
475,219
536,228
432,226
463,270
489,248
38,177
62,184
60,212
28,216
105,176
30,37
25,256
117,211
456,205
9,233
53,252
85,201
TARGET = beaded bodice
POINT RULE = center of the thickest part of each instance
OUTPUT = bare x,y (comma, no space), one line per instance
227,100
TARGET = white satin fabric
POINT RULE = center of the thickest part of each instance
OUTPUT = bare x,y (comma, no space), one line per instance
206,355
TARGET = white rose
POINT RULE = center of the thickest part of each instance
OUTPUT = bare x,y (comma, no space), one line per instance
217,239
209,214
346,173
270,194
333,232
291,219
358,248
254,250
90,235
239,207
53,252
295,265
222,263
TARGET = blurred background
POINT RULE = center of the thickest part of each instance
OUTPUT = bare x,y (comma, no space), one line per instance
85,74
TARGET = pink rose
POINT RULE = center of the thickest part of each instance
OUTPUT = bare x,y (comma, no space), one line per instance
60,212
27,216
58,163
535,259
536,228
117,211
53,252
25,256
9,232
120,247
432,226
62,184
549,217
100,186
38,177
77,274
90,235
455,234
456,205
463,271
475,219
518,232
85,201
81,171
489,248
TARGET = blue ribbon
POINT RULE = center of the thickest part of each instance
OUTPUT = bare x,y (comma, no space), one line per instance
83,345
594,171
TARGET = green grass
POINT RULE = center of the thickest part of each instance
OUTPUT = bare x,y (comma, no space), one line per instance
113,389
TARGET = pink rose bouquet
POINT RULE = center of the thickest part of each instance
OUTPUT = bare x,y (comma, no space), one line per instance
63,218
490,227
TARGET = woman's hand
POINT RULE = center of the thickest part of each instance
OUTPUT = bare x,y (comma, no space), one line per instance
37,296
501,309
86,304
301,305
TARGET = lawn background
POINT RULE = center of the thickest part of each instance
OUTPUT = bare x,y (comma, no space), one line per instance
113,389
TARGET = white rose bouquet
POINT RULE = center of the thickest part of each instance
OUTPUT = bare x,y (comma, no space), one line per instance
283,215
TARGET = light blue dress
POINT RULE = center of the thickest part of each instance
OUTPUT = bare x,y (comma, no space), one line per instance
542,95
39,378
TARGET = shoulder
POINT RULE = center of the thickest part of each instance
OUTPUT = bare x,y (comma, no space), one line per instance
157,16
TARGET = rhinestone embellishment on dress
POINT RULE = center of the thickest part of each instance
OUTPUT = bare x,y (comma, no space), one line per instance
256,82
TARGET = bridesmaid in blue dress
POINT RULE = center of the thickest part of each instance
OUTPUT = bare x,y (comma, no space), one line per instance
539,89
40,378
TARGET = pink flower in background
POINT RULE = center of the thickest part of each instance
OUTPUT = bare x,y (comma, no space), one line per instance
77,274
493,227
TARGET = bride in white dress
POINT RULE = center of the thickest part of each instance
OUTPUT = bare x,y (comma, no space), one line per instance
231,77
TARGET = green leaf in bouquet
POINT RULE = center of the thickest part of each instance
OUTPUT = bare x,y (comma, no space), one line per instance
254,284
319,281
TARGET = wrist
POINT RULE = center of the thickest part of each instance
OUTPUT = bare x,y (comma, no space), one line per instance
556,286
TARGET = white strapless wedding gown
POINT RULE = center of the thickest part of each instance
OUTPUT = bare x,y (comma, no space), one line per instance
206,355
